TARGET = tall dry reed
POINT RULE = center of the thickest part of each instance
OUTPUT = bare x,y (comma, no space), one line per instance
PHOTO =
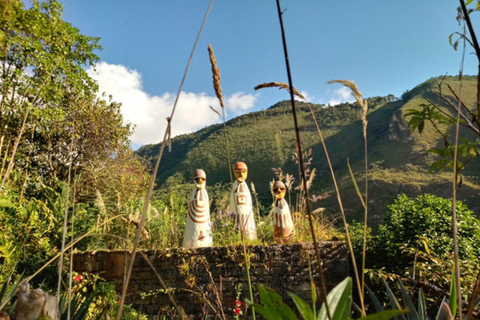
155,171
364,106
217,85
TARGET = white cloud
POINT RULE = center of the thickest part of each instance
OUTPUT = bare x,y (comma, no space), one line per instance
149,113
240,102
306,95
341,95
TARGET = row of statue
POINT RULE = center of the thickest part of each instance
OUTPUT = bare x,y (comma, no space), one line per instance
198,231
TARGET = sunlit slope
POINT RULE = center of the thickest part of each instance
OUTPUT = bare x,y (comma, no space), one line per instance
398,159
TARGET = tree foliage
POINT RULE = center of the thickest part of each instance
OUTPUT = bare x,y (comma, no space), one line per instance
427,217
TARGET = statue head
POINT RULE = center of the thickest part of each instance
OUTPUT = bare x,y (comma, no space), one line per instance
200,178
240,170
279,190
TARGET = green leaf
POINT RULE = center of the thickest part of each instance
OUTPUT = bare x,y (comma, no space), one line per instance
339,302
412,312
453,293
303,307
441,315
385,315
422,310
421,126
377,305
273,307
393,301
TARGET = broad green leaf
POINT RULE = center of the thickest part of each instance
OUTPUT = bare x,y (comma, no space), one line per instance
385,315
303,307
273,307
339,302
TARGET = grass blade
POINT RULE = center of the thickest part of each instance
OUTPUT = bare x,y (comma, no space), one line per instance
412,312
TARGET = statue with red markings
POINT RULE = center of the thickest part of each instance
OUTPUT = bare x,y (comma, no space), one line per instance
283,228
241,202
198,230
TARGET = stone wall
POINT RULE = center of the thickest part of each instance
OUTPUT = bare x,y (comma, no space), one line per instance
194,276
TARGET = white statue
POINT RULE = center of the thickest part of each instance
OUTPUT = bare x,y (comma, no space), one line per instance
35,304
283,228
198,231
241,202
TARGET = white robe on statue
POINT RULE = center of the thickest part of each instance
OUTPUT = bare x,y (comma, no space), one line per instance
241,204
198,231
283,228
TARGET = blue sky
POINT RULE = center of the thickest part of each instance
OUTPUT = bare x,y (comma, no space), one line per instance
385,47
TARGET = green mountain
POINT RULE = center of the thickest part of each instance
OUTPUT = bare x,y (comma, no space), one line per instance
398,158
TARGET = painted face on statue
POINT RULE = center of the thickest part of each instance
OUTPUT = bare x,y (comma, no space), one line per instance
199,177
200,182
279,192
241,174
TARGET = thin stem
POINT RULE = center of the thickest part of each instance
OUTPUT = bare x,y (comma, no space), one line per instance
71,252
454,199
227,146
152,182
65,219
366,220
355,270
300,162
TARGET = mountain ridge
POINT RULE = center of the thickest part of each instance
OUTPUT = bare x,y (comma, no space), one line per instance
265,139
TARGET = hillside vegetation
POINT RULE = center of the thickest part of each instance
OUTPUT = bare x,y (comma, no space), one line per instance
399,161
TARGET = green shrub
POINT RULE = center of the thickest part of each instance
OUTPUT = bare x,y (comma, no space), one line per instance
425,224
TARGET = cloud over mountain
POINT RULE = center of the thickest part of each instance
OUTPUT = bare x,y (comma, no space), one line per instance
149,113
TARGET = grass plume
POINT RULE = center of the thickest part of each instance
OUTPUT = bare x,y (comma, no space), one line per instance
280,85
216,76
218,92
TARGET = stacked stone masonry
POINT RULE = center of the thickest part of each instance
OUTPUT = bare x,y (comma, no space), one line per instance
203,276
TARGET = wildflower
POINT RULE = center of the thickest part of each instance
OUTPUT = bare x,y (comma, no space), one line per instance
220,214
237,311
78,278
238,304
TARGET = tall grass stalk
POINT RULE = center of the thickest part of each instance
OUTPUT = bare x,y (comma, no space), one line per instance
65,218
302,169
364,105
70,275
152,181
454,185
340,203
217,85
476,47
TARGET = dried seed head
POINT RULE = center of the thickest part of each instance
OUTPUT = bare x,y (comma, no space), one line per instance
280,85
216,76
359,97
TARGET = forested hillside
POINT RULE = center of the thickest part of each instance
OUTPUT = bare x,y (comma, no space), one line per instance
398,159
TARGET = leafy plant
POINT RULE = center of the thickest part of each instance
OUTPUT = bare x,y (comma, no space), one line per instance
339,302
